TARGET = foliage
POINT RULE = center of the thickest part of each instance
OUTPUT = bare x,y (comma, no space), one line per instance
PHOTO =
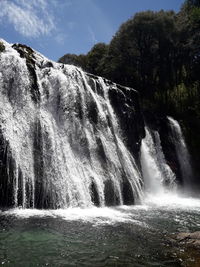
94,58
142,49
2,47
90,62
76,60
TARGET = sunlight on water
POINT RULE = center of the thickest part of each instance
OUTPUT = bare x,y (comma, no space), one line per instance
94,215
113,215
172,201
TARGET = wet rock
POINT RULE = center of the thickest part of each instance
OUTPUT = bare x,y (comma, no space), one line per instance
111,199
161,124
186,247
7,175
189,239
28,53
125,102
94,194
127,192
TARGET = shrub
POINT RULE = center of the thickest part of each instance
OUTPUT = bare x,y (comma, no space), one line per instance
2,47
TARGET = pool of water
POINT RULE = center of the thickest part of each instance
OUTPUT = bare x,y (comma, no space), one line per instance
120,236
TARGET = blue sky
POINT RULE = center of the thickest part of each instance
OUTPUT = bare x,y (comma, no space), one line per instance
57,27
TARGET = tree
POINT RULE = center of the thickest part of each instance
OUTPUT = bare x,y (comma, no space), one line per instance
142,51
76,60
94,58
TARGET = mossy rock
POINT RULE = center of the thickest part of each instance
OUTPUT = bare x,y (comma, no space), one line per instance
25,52
28,53
2,47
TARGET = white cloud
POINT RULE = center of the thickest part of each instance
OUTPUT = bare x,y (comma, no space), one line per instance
92,35
29,18
60,38
61,4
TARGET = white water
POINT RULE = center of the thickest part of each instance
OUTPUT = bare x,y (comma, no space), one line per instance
153,179
182,152
156,173
169,203
60,135
168,174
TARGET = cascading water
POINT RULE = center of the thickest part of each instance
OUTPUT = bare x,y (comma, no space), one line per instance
182,152
156,173
153,180
169,177
62,143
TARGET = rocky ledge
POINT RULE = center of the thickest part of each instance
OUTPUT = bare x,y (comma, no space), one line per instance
189,239
187,248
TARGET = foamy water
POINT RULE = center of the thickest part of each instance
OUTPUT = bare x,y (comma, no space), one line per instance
93,215
112,215
172,201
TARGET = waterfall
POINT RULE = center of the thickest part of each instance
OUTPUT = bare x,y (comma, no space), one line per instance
169,176
71,139
60,137
181,151
158,177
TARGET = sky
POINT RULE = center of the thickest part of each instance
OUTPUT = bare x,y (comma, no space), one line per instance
58,27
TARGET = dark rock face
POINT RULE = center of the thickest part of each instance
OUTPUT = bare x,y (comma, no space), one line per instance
161,124
94,195
7,164
169,148
28,53
111,199
125,102
127,192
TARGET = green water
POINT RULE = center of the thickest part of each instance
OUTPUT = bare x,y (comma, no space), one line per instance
122,236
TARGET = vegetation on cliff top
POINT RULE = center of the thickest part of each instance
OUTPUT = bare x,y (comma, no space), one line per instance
2,47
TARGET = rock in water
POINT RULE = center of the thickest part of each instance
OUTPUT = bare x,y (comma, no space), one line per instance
186,247
67,138
189,239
